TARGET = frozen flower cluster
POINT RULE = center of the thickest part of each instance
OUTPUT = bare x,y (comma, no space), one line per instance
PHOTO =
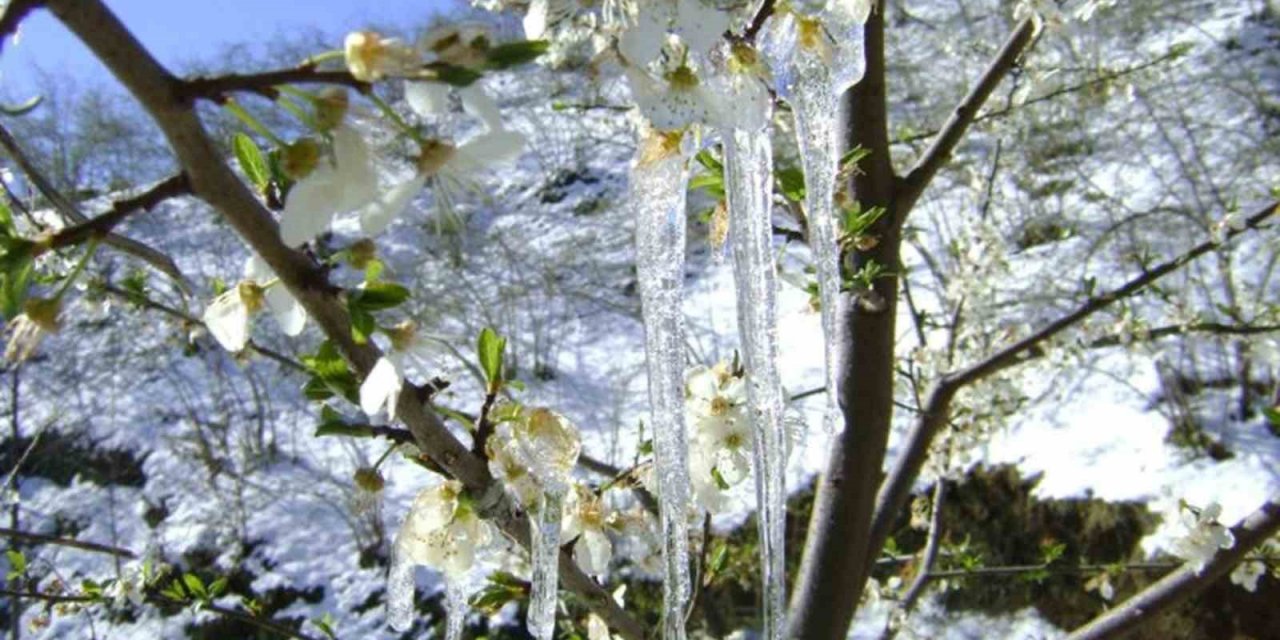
720,433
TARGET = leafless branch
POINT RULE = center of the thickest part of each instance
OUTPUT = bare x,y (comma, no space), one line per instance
37,538
103,224
217,88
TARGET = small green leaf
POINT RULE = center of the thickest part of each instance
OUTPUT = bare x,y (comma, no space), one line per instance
378,296
17,564
514,54
720,481
453,75
489,348
791,183
218,587
251,161
194,585
344,429
363,324
646,447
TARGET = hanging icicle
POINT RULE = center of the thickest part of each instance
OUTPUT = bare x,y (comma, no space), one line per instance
455,604
657,197
818,57
749,166
544,446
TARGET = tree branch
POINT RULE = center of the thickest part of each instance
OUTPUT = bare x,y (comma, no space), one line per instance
216,88
71,213
103,224
896,490
213,181
1185,582
964,115
14,13
37,538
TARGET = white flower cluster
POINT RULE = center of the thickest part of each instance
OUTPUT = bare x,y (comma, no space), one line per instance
228,316
720,438
1203,535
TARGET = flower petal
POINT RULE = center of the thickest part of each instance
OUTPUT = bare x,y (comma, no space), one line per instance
485,150
700,25
642,43
479,104
375,217
593,552
381,388
427,98
228,321
355,175
535,20
310,207
288,313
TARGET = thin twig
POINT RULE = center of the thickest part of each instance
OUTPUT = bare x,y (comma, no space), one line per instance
103,224
37,538
930,549
71,213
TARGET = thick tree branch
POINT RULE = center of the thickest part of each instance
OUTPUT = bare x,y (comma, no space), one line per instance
71,213
1185,582
213,181
217,88
897,486
103,224
964,115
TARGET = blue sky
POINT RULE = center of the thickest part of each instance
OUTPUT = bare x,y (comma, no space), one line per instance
178,31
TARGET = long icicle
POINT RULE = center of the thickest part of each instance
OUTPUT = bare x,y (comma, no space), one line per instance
749,169
658,184
546,556
400,586
455,602
816,109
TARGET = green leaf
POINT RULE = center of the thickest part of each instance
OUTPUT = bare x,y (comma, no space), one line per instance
6,218
489,348
195,586
251,160
720,481
453,74
174,592
14,282
378,296
218,587
709,161
363,324
514,54
791,183
646,447
17,564
456,416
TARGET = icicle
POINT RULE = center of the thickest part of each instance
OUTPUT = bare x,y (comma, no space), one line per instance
455,604
400,585
816,109
749,169
545,545
658,196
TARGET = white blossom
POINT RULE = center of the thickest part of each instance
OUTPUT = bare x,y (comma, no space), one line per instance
1204,536
344,183
1246,574
370,56
441,531
586,519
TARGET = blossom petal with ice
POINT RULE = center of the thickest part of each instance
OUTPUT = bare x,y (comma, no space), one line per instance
593,552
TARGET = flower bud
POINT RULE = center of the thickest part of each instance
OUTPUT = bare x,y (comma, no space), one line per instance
300,158
363,252
43,312
368,479
403,335
331,107
370,56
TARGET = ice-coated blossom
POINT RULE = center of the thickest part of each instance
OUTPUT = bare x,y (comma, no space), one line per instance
1203,537
586,518
345,182
381,388
370,57
427,99
698,23
441,531
450,168
1246,574
677,100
